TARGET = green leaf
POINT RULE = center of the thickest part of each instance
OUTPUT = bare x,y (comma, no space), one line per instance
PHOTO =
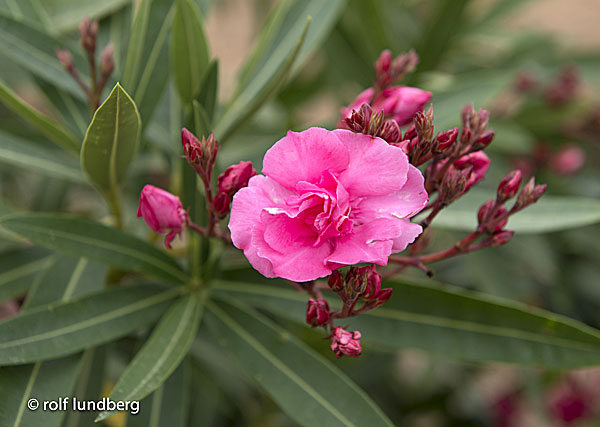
189,49
34,50
15,151
168,405
550,213
307,387
450,322
46,126
258,91
18,268
201,120
146,69
64,328
49,380
111,140
95,241
208,91
161,354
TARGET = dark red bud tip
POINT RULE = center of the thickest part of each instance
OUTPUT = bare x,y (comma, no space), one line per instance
371,278
336,281
384,295
317,312
538,192
486,138
383,63
235,177
445,140
221,204
509,186
484,211
500,238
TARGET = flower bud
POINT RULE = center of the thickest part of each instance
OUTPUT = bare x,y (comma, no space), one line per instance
500,238
509,186
345,343
317,312
235,177
383,63
201,155
453,185
66,60
373,282
336,281
411,132
445,140
382,297
107,63
530,193
89,31
478,162
390,132
162,211
221,204
484,211
485,139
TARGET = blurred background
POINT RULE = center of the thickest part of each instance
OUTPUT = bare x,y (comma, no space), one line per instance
535,65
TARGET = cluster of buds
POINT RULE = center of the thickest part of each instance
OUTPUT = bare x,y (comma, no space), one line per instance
564,88
389,70
233,179
345,343
200,154
88,31
493,214
374,124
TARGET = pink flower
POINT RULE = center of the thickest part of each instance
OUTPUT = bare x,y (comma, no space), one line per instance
478,162
400,103
329,199
162,211
345,343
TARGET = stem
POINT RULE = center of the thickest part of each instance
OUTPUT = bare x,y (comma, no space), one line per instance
115,206
464,246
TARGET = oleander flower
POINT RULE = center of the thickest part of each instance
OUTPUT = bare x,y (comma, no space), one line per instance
327,199
162,212
400,103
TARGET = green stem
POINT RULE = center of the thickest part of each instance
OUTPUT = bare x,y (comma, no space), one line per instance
115,206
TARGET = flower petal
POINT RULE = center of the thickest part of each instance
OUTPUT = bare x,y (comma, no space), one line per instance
375,168
304,156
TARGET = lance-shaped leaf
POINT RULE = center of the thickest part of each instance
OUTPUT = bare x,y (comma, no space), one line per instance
550,213
189,50
257,92
45,125
146,69
65,278
161,354
105,245
64,328
208,92
306,386
16,151
111,140
450,322
18,269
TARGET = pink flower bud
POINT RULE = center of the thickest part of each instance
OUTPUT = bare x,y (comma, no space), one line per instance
485,210
235,177
221,204
383,63
530,193
500,238
162,211
317,312
411,132
88,30
107,63
567,160
336,281
445,140
508,187
345,343
569,402
65,58
373,282
381,298
486,138
478,162
390,131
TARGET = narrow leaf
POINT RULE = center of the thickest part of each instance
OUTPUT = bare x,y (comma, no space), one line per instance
451,322
257,92
16,151
146,69
189,49
18,269
550,213
65,328
111,140
95,241
46,126
161,354
208,91
307,387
